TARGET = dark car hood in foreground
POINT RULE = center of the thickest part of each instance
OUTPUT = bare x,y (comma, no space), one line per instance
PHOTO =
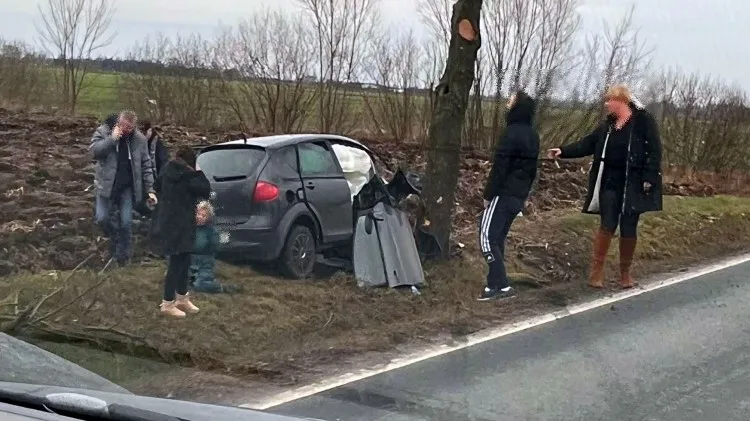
182,409
27,369
21,362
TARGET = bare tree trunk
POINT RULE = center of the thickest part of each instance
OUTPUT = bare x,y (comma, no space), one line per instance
452,97
73,30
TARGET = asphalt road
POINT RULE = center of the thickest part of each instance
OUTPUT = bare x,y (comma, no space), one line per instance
680,353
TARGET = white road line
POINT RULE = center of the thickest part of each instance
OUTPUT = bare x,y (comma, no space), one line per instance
486,335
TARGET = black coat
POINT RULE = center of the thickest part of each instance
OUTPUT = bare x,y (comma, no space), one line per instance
180,188
516,157
643,162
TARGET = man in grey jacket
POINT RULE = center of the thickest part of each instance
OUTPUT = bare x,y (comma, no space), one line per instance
124,177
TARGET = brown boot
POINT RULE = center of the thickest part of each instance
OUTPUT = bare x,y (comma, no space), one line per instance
602,239
627,251
184,304
168,308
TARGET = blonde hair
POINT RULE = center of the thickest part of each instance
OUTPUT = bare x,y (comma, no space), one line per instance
205,205
618,92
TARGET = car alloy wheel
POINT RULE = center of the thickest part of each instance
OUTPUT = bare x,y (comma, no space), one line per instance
303,252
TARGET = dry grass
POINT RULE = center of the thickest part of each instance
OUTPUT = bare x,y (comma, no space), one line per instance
281,330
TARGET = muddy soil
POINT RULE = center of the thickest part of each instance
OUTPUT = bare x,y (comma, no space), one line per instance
46,211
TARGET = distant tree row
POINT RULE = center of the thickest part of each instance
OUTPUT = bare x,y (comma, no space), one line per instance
342,69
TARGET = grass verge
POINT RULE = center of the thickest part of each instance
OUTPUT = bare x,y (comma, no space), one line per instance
283,332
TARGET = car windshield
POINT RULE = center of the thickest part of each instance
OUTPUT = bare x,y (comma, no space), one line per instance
380,209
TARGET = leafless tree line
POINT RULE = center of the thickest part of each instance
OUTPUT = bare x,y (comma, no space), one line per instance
705,122
266,65
24,76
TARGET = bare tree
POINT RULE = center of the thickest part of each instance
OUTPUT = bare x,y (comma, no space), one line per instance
266,61
73,30
498,41
240,72
526,19
624,56
703,122
435,15
24,79
177,82
428,75
452,97
615,56
341,28
393,65
473,135
530,46
553,50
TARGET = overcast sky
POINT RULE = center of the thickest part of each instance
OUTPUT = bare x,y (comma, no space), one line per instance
697,35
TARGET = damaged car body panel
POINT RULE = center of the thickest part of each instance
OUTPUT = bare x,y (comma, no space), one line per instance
289,198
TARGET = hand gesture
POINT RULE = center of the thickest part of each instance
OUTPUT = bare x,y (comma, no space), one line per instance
646,186
152,200
116,133
554,153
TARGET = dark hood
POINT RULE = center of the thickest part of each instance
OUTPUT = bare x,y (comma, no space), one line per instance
522,111
176,170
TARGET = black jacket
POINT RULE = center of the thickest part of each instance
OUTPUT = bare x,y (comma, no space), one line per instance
180,189
161,153
643,161
516,157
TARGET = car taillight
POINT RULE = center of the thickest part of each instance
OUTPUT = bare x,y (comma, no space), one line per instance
265,192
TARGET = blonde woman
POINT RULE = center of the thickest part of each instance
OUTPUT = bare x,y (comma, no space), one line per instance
625,179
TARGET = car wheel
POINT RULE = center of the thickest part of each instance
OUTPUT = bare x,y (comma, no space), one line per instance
299,253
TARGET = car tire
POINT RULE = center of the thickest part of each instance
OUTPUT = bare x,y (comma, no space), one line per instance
299,254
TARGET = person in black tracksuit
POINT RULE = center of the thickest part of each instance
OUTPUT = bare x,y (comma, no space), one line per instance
508,185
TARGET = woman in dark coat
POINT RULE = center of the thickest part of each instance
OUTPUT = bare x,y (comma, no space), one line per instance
180,187
625,178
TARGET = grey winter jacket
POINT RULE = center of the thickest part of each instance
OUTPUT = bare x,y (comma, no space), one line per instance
104,150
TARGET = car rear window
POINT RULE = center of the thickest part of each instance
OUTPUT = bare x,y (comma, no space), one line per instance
230,162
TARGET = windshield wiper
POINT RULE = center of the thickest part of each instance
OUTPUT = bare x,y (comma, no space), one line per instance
76,405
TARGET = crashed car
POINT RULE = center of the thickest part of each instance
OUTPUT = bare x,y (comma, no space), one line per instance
292,198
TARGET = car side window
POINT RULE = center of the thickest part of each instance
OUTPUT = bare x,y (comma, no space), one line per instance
284,162
315,159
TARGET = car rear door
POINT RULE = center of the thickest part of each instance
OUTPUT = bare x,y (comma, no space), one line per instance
326,190
233,171
282,170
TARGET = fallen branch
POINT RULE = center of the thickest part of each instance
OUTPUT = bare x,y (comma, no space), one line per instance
24,317
71,302
115,331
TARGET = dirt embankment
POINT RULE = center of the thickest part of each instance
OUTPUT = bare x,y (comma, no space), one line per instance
46,212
